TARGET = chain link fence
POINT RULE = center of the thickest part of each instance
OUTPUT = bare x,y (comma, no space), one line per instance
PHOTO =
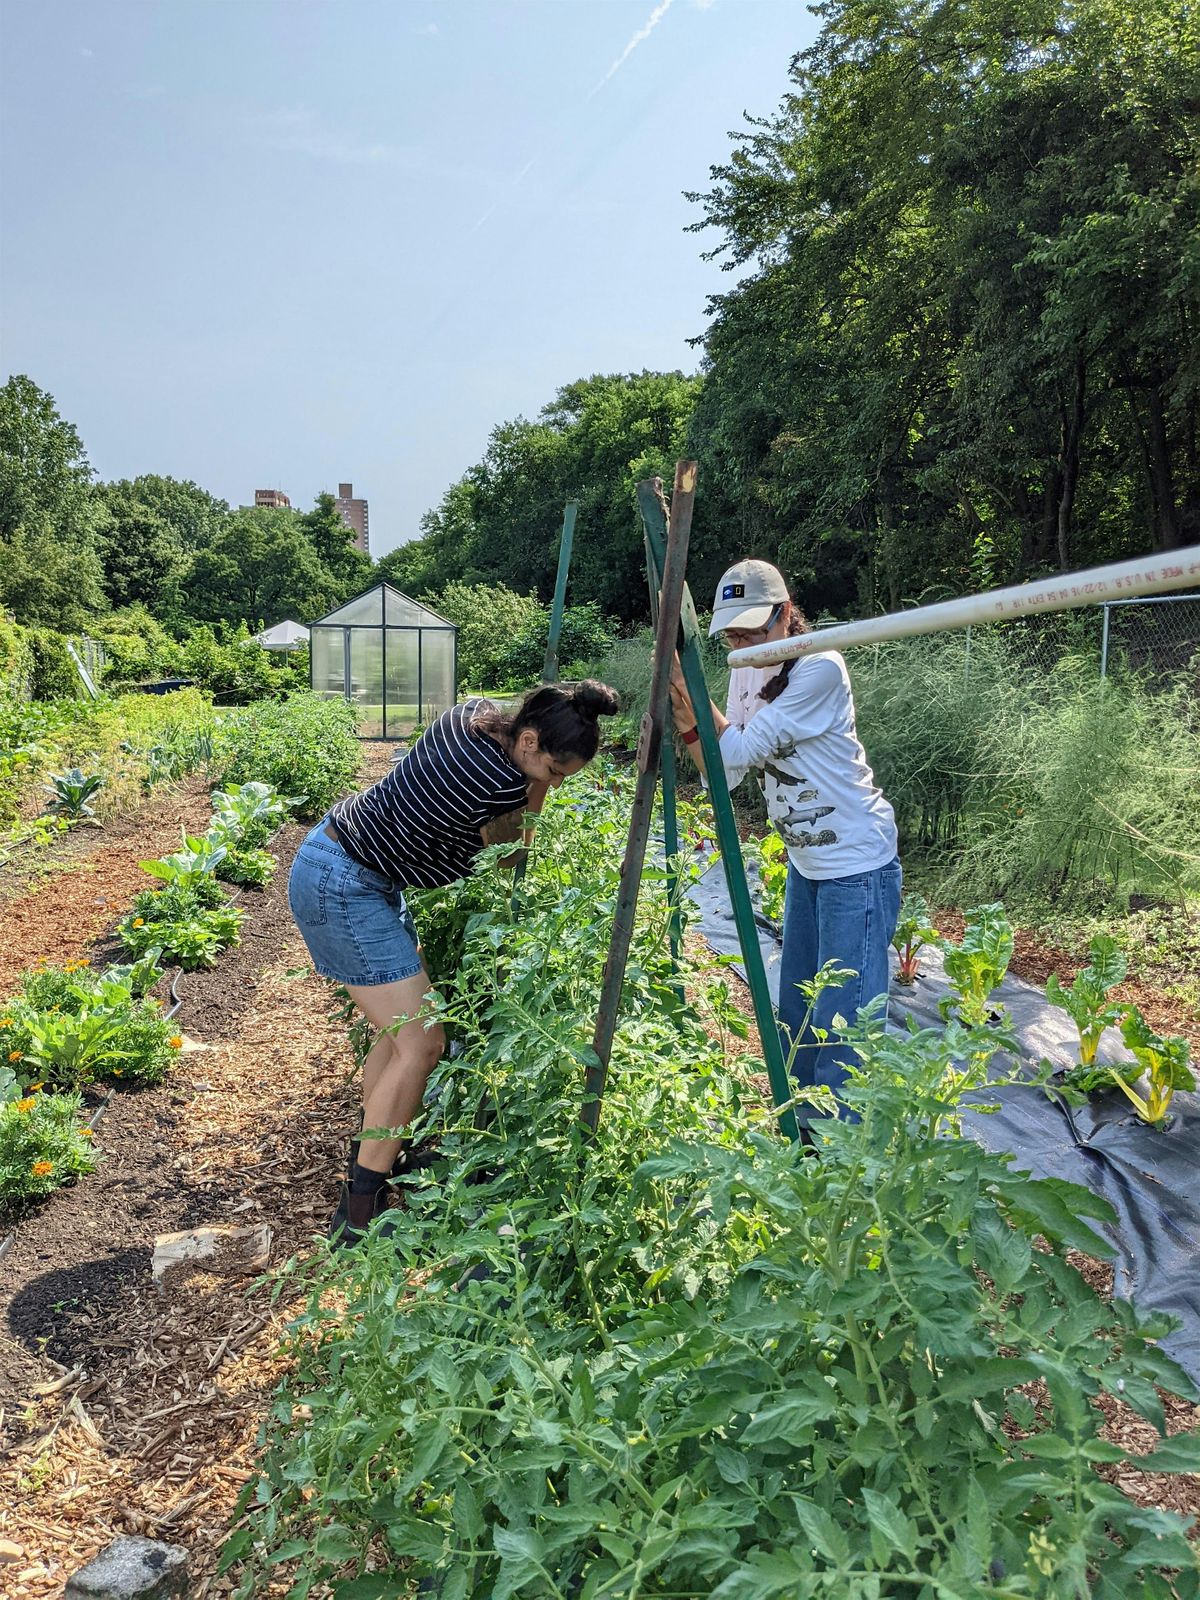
1158,638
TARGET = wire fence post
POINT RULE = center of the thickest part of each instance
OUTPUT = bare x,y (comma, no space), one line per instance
1104,646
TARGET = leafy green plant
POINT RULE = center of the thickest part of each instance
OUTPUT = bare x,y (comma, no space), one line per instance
253,869
771,855
182,924
1088,1005
42,1145
977,964
198,858
251,812
1163,1059
914,930
302,746
676,1360
71,791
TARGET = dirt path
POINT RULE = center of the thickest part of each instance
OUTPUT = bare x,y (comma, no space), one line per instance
124,1408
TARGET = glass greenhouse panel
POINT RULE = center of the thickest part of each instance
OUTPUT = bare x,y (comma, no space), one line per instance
401,612
401,681
438,689
328,661
366,679
364,612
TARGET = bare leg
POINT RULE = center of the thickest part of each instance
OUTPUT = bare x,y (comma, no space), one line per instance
398,1064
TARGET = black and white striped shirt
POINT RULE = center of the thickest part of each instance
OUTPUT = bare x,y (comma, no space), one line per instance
420,825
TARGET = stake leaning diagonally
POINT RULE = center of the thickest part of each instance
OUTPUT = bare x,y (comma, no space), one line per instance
730,845
649,748
550,665
1122,580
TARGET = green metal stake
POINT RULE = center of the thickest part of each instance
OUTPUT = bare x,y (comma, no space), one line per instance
550,666
654,723
669,798
654,520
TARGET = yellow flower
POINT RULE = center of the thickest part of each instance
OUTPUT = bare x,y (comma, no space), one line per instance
139,922
5,1022
176,1043
35,1087
84,961
42,1169
86,1133
27,1104
14,1055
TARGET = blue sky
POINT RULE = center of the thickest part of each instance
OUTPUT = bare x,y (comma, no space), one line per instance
286,244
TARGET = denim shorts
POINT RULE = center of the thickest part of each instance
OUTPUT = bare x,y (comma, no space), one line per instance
355,923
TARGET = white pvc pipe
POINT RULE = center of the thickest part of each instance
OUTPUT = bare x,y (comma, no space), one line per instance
1123,580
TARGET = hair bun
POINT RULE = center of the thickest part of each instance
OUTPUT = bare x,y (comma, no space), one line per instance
593,700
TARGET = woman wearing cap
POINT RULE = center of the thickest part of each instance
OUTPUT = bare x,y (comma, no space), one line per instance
468,781
795,729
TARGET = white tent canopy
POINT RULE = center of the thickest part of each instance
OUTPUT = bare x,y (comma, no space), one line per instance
283,636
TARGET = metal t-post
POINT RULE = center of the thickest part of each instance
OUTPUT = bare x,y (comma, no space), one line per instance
653,517
550,666
650,740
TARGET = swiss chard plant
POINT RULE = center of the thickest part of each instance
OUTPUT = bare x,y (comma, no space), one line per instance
1165,1062
977,964
1089,1004
914,930
678,1360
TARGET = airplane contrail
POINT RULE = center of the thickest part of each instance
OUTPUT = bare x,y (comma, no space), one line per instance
639,37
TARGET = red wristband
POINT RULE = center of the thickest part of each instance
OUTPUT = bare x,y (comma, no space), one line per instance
691,736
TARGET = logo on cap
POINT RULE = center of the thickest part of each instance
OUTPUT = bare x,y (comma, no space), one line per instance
734,591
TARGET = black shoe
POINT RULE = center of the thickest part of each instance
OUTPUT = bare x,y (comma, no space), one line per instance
355,1214
408,1159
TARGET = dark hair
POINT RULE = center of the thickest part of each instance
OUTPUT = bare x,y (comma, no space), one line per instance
564,717
774,687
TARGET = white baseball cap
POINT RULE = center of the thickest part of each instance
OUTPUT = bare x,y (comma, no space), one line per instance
747,595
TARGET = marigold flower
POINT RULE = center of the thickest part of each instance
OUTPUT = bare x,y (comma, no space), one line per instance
5,1022
139,922
14,1055
42,1169
176,1042
87,1133
84,961
27,1104
35,1087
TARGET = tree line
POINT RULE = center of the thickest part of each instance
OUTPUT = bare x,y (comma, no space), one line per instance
73,549
959,347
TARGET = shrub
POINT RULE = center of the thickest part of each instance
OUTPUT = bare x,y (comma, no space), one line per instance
189,926
42,1146
586,634
303,746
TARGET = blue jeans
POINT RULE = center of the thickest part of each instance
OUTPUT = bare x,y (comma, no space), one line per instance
848,920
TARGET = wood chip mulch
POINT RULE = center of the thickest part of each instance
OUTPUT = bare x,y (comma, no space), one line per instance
126,1408
87,880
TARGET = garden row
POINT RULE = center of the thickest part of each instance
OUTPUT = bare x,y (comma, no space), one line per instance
678,1358
70,1030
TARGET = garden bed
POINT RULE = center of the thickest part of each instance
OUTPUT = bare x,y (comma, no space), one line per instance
155,1398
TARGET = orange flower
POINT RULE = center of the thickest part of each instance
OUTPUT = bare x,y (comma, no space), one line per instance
139,922
34,1087
27,1104
86,1133
176,1043
42,1169
14,1055
84,961
5,1022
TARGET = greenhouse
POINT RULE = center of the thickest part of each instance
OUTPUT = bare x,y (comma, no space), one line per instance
391,657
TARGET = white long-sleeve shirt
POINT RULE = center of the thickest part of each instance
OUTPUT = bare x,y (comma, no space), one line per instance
821,793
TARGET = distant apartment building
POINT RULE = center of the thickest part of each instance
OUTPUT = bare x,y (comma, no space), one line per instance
274,498
354,515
